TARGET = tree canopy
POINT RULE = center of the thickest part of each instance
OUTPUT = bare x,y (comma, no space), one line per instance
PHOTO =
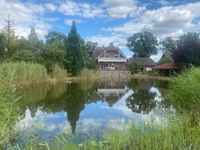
168,44
188,49
143,44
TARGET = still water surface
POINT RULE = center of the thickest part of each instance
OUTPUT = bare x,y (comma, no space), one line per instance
85,107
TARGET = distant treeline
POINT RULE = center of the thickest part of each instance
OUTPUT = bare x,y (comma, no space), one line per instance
69,52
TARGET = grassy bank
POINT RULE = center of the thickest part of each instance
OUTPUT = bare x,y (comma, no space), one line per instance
177,133
13,76
9,113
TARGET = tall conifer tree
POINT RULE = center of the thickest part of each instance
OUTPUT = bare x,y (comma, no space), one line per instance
73,52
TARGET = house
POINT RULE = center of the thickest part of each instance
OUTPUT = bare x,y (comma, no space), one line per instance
109,58
145,63
167,69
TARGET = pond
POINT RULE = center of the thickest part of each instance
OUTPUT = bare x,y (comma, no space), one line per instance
89,107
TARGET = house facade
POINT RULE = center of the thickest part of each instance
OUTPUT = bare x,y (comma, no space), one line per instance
109,58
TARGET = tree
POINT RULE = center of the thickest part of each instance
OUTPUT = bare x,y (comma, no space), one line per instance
55,37
36,45
23,43
52,54
143,44
2,46
23,55
90,47
73,52
133,67
10,38
33,37
168,44
188,49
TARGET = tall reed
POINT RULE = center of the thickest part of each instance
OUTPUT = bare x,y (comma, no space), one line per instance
59,73
22,73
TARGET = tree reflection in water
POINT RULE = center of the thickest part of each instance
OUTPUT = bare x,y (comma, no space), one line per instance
73,98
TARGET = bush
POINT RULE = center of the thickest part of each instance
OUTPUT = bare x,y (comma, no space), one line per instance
185,94
23,55
133,67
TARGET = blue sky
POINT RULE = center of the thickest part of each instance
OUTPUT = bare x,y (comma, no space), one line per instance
104,21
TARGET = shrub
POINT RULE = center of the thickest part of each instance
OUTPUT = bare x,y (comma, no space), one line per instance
185,94
23,55
133,67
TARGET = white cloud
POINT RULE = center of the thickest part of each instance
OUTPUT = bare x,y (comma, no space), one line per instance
123,8
51,7
71,8
24,15
164,21
69,21
118,40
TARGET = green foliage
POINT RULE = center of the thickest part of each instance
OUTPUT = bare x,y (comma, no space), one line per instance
33,39
73,52
185,93
143,44
90,47
133,67
2,46
188,49
59,73
168,44
10,38
87,74
55,37
52,54
9,113
22,73
23,43
164,60
23,55
163,135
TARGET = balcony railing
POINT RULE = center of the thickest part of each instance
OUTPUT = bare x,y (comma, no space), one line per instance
107,59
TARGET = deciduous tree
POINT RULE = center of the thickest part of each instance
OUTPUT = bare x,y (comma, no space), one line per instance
143,44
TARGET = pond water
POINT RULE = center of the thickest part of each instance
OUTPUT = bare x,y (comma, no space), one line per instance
89,107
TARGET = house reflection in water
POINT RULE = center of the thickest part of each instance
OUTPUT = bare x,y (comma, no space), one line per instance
111,91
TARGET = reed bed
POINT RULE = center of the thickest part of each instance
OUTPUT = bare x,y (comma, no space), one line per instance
22,73
59,73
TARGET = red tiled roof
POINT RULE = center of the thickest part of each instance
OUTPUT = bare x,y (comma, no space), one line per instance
167,66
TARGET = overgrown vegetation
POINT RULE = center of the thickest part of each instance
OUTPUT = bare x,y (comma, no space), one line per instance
70,52
185,93
9,113
22,73
174,132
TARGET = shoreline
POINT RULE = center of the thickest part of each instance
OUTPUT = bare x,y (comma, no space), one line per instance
151,77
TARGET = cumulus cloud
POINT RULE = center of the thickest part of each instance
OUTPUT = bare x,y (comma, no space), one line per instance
51,7
23,16
118,40
123,8
165,21
71,8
